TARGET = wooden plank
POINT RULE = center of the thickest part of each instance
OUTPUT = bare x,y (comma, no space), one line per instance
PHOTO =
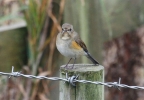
82,91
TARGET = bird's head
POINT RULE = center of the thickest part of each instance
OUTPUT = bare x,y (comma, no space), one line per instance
67,31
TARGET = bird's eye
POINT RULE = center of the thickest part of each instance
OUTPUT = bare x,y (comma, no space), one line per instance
70,29
62,29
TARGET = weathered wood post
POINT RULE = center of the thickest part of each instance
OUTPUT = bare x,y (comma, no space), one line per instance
82,91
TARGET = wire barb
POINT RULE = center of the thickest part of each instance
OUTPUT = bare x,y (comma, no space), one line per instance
14,74
72,80
116,84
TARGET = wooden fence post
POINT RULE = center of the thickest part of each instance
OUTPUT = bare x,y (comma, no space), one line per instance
82,91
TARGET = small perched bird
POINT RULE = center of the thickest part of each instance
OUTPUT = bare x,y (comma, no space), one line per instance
70,44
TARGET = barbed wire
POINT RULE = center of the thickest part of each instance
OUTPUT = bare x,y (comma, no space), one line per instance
72,80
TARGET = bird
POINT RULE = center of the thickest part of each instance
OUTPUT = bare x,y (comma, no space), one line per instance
69,44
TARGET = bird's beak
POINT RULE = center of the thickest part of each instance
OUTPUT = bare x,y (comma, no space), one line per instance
63,32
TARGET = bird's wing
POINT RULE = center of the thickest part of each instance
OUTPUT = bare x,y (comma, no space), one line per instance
81,44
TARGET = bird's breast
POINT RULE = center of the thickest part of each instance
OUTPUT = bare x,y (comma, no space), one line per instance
69,48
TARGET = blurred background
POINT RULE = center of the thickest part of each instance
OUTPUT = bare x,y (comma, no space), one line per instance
112,30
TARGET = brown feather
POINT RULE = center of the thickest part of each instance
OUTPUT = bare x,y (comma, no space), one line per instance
81,43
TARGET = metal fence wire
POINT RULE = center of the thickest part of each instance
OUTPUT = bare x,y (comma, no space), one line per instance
72,80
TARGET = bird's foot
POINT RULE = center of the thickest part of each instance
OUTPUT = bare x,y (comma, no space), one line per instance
69,67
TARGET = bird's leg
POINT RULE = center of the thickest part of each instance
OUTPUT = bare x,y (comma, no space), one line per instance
73,63
68,62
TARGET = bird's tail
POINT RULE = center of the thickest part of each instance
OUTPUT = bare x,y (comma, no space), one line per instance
92,59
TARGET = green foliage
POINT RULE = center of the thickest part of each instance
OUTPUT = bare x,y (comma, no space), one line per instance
35,15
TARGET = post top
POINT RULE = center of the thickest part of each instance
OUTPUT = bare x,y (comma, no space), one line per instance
83,67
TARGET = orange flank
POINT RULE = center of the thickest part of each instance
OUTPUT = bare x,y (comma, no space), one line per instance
75,46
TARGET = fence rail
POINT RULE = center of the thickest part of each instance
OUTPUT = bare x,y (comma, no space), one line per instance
72,80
